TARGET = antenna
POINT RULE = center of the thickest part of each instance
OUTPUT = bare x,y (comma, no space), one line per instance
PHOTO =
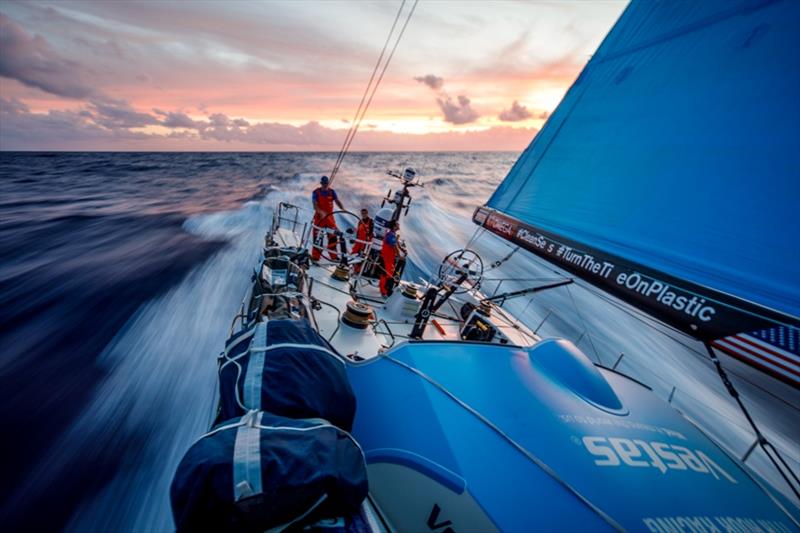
402,198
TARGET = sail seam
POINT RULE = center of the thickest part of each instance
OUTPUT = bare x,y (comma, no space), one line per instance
691,28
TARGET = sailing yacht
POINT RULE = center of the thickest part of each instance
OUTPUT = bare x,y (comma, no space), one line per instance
668,178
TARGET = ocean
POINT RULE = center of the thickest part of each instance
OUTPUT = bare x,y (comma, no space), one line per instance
120,274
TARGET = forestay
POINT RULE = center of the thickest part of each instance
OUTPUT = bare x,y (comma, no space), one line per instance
669,175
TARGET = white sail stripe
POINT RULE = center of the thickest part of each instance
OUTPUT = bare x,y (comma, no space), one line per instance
763,353
735,349
769,346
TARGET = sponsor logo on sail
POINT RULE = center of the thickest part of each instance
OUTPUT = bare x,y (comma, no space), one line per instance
657,291
500,225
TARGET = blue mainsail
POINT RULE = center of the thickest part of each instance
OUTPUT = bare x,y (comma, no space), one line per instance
670,172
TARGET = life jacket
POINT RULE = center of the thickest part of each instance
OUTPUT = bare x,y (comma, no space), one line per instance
324,200
364,231
389,250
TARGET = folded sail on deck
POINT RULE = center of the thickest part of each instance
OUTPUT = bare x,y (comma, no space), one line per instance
669,175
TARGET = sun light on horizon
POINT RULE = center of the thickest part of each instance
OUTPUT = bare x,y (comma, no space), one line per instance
126,75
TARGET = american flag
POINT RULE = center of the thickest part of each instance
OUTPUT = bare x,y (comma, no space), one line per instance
774,350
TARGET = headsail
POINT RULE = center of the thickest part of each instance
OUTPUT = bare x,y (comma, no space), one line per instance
669,175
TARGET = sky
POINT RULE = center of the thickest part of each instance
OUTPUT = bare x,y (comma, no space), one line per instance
274,76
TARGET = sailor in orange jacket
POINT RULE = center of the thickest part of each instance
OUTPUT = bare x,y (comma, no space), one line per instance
323,198
363,232
389,250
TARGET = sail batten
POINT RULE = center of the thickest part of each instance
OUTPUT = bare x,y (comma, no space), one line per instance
675,155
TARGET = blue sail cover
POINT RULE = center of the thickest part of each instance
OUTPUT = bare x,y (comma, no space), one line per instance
262,471
286,368
673,163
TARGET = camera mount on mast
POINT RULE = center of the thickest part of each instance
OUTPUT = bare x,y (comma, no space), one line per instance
402,198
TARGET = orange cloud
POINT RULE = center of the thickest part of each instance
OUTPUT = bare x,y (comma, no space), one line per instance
273,70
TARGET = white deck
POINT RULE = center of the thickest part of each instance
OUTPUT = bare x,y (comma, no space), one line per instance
393,318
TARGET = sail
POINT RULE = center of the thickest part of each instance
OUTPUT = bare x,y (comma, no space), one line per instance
669,175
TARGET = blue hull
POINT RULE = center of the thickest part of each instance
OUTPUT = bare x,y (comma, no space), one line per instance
480,437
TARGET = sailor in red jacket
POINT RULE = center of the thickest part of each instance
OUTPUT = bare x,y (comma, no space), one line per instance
363,232
389,250
323,199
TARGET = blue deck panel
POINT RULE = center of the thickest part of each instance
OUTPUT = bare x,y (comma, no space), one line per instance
521,392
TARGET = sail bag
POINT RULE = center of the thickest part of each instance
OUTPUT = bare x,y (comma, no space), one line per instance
263,471
286,368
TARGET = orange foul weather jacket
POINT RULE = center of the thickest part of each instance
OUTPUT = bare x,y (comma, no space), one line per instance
363,235
324,199
388,254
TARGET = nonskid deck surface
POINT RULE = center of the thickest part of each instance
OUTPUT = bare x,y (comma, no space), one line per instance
393,317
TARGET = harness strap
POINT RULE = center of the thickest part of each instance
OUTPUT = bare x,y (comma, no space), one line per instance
247,457
253,379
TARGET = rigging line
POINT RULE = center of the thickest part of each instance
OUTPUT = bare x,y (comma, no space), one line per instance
762,440
583,322
499,262
777,460
652,323
759,481
519,447
366,91
546,265
380,78
765,444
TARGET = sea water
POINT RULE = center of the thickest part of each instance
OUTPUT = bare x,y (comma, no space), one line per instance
120,274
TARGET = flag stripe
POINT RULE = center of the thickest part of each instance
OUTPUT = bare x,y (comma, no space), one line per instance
794,358
757,351
756,362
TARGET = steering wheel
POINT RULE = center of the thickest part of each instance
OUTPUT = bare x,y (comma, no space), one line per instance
343,234
463,263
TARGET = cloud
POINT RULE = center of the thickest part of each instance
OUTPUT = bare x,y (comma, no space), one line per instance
457,112
110,128
20,129
31,61
516,113
118,114
432,81
13,106
178,120
219,120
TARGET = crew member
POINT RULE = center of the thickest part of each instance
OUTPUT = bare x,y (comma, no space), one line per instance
389,251
323,198
363,232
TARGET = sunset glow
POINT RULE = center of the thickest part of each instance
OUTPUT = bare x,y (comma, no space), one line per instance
99,75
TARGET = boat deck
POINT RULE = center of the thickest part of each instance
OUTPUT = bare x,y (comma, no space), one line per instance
393,318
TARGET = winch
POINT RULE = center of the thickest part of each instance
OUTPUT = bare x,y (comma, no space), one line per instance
357,315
